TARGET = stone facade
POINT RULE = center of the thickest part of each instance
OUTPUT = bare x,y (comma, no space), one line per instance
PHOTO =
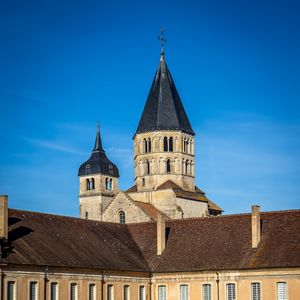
267,279
164,155
123,203
96,192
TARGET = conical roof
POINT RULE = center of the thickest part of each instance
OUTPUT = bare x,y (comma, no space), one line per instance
163,109
98,163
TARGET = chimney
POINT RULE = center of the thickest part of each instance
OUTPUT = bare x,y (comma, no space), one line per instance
161,233
3,217
255,220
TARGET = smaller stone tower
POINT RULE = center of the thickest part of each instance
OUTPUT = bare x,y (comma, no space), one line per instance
98,178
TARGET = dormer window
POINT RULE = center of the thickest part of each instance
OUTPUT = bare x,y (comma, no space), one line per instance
110,169
87,169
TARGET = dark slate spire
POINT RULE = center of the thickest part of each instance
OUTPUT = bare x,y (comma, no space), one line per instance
98,163
163,109
98,143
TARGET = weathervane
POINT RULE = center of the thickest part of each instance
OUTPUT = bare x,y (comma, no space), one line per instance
162,39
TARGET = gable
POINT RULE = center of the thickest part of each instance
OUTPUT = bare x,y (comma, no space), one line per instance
122,202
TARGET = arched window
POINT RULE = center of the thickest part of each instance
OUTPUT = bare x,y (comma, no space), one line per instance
171,144
165,144
107,183
87,181
110,184
147,167
122,217
186,167
168,166
149,145
92,184
145,146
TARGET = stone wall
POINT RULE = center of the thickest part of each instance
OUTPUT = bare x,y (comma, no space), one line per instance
150,163
123,203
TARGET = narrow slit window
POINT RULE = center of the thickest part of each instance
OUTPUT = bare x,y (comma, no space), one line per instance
33,290
148,167
171,144
165,144
142,293
54,291
126,292
11,293
92,291
110,289
73,291
168,166
145,146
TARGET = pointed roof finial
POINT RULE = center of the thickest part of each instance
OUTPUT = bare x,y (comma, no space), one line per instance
162,40
98,143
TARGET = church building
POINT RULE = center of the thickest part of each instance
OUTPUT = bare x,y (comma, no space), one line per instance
164,164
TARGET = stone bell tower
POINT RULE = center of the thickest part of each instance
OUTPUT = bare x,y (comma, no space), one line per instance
98,178
164,140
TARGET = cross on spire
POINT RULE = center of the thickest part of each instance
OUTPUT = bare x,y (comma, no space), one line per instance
162,40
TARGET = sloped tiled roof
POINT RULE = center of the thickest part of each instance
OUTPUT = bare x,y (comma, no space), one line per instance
149,209
223,242
212,243
44,239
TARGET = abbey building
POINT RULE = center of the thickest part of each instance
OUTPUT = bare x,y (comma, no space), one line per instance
161,239
164,164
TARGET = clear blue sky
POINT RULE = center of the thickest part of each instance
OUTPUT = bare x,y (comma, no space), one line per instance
64,65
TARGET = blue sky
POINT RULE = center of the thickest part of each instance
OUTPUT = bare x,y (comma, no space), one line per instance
64,65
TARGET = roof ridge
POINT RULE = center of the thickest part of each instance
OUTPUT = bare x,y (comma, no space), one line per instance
60,216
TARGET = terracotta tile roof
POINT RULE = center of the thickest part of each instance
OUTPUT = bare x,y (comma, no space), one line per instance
169,184
44,239
214,206
198,195
150,210
133,189
189,195
223,242
211,243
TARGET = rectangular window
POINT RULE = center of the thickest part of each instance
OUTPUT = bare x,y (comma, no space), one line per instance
282,293
92,291
53,291
206,292
255,291
162,292
33,291
110,292
184,292
142,293
73,291
230,291
10,290
126,292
